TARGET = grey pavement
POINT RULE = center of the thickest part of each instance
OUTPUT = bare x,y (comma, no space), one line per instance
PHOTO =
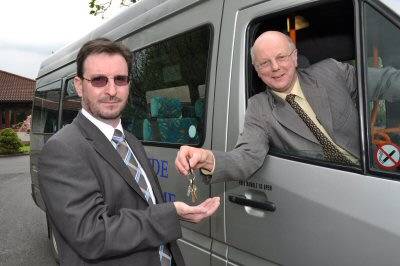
23,232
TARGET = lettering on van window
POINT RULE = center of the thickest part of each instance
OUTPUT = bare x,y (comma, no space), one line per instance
169,196
255,185
160,167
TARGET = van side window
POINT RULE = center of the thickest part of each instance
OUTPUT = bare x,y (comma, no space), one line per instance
324,37
382,57
168,90
45,108
71,103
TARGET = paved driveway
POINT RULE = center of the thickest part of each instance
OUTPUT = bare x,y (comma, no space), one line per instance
23,233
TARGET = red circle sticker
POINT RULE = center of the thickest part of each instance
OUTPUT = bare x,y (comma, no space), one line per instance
387,156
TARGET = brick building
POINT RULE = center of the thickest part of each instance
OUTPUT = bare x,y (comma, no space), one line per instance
16,95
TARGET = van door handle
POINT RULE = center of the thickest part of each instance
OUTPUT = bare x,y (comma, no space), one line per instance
266,205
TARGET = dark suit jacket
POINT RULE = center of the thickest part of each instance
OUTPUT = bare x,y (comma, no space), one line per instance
270,122
98,211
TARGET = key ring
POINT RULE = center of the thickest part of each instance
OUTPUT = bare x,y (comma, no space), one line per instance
191,172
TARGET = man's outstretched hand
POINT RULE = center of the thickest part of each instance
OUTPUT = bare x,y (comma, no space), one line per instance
197,213
193,158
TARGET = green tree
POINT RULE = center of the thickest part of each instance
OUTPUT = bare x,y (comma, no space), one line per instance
98,7
9,141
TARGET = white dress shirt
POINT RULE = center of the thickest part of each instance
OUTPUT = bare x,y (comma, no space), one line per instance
108,131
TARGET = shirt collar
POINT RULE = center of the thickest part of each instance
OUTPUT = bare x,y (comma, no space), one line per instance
296,90
107,130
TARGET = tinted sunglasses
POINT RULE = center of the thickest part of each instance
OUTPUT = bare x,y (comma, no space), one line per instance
101,80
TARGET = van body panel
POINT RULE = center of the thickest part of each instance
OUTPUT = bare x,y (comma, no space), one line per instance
140,16
206,13
318,216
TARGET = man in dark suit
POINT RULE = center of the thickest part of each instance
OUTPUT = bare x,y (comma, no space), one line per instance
310,112
102,196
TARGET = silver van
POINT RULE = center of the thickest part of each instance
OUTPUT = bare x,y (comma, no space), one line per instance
191,82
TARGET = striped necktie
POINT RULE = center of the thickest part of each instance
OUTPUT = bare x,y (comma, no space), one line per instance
129,159
331,152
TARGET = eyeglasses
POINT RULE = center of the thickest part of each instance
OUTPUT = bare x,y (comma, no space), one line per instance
101,80
280,59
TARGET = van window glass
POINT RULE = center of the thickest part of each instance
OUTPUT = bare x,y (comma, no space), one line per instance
71,103
321,33
168,90
382,56
45,109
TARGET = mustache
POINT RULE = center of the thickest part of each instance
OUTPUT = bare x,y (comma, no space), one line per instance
110,99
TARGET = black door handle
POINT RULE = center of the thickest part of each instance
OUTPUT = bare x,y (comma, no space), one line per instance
266,205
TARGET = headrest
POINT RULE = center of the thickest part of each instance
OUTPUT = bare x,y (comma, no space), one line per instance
199,108
162,107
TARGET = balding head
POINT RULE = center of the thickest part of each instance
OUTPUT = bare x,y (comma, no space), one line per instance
274,57
271,36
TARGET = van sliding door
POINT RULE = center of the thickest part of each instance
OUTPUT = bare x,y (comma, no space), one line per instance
171,96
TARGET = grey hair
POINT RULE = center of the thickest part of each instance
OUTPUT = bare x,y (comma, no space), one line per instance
252,54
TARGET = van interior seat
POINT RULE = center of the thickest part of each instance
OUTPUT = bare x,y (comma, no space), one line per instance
167,124
199,109
302,61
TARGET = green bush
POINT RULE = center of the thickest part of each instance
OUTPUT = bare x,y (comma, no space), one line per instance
26,148
9,141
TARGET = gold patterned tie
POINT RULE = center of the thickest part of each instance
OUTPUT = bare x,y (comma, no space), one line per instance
136,170
331,152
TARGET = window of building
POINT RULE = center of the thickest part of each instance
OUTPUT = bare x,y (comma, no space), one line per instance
168,90
45,108
382,60
3,118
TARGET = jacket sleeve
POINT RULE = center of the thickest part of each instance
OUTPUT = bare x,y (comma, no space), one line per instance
250,151
77,207
349,78
383,83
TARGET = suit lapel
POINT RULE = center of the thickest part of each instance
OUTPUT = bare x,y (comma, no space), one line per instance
288,118
139,152
103,147
317,97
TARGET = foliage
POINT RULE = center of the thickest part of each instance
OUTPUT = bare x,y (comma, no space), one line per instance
9,141
25,149
99,8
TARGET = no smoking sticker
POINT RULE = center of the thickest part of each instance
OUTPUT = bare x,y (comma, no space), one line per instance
387,156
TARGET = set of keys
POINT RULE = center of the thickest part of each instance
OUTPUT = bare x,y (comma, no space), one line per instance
192,188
